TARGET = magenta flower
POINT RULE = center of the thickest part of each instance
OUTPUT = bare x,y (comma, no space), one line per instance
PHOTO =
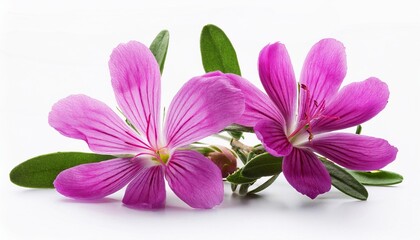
147,155
323,108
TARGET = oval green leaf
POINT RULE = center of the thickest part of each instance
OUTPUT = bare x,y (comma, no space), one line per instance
377,178
217,52
159,48
41,171
238,178
262,165
345,182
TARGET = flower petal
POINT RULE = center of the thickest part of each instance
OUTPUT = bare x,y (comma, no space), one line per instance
278,79
96,180
136,81
195,179
272,136
258,105
203,106
85,118
354,104
147,190
354,151
306,173
322,74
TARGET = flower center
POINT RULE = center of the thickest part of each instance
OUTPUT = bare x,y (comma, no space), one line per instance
305,125
162,156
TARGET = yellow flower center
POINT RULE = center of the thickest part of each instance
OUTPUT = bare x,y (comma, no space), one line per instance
162,156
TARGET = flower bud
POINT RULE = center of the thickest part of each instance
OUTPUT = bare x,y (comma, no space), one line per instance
224,159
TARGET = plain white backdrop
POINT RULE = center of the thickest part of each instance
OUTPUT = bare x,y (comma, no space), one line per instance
51,49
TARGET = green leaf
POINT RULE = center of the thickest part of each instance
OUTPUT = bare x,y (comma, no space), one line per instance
241,154
377,178
238,128
217,52
159,48
345,182
262,165
233,187
235,134
41,171
238,178
265,185
203,150
243,189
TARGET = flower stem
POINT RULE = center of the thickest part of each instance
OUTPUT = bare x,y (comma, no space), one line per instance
237,144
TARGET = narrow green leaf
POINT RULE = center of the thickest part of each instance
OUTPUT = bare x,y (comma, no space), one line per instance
377,178
238,178
235,134
41,171
265,185
251,155
262,165
233,187
258,149
241,154
203,150
159,48
243,189
217,52
238,128
345,182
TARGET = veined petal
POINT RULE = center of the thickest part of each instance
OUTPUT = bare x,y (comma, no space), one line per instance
278,79
321,77
203,106
195,179
85,118
273,137
147,190
306,173
135,78
354,151
96,180
258,105
354,104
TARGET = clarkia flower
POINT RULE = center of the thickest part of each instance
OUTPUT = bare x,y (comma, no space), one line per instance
147,154
300,129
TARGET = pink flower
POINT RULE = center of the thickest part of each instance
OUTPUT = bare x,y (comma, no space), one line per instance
322,108
147,154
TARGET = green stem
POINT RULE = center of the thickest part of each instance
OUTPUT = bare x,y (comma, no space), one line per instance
222,137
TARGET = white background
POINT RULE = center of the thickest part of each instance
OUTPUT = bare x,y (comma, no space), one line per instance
51,49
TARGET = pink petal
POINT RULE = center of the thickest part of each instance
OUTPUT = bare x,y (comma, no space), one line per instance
147,190
85,118
96,180
278,79
195,179
257,104
354,104
306,173
203,106
322,74
136,81
354,151
272,136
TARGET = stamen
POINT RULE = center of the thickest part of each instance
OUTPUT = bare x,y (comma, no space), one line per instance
306,123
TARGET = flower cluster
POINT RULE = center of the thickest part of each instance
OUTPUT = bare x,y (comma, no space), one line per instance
297,124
